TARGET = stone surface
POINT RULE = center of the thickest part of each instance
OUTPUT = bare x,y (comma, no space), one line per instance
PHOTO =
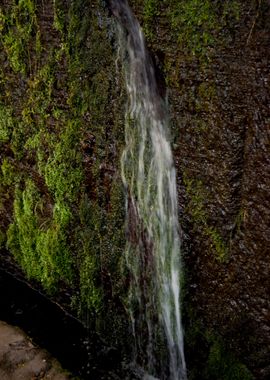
20,359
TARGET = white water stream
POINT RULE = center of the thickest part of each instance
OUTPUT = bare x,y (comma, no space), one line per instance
153,247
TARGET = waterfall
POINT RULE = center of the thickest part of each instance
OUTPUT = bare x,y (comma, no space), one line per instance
153,243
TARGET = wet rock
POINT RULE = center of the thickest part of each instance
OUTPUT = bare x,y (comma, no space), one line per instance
20,359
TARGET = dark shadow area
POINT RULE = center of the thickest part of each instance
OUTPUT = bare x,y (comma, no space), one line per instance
76,348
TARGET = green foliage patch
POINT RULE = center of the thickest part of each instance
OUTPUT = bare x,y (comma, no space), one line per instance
222,364
151,11
197,26
194,22
63,172
219,361
56,91
16,34
42,251
6,123
197,210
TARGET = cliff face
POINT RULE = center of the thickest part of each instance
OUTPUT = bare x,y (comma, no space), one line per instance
215,62
61,137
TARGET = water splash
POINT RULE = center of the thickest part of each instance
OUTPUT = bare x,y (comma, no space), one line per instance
153,247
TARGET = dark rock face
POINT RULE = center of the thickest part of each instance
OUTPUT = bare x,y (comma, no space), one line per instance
214,58
232,162
219,104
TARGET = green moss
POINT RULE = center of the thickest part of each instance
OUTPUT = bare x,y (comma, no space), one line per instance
11,174
224,365
197,210
21,234
2,239
16,34
59,16
6,123
200,25
59,234
150,12
2,20
240,219
196,207
91,295
87,240
217,242
19,136
42,251
27,7
15,51
194,23
206,90
63,172
55,260
216,358
40,89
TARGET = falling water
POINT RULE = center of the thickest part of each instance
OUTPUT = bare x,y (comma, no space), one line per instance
153,247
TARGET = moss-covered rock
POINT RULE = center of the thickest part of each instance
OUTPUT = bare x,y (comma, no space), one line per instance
61,137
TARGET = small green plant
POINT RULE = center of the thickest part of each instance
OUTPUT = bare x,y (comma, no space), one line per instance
91,294
196,200
2,20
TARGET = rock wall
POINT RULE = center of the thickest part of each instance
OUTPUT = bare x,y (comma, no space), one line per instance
215,60
61,136
62,207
